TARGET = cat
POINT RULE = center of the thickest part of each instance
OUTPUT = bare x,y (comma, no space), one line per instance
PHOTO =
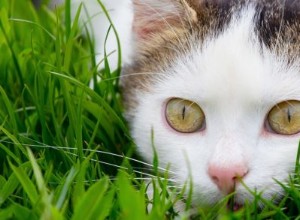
213,86
217,84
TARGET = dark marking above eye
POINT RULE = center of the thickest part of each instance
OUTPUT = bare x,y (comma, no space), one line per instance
183,112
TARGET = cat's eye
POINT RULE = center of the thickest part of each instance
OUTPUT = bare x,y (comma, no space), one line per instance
184,116
284,118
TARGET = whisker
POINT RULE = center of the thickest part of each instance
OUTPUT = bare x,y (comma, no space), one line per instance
113,165
112,178
147,179
151,191
42,145
149,169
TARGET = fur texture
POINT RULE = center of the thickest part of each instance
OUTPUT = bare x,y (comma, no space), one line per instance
236,60
97,23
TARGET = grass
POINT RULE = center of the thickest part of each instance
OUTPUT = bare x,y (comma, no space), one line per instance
65,149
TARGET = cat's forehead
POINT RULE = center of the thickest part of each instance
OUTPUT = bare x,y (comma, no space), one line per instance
229,35
232,67
274,19
276,23
277,10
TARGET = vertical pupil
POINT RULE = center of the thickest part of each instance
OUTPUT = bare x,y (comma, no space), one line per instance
183,112
289,115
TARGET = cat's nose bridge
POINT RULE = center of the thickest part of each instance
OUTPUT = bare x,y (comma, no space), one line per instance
228,149
227,177
227,164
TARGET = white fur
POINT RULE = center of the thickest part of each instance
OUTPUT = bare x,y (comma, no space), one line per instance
236,85
92,15
121,15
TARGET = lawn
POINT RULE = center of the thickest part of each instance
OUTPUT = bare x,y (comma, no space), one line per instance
65,149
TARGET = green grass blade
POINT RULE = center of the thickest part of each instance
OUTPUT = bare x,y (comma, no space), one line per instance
37,172
4,18
9,187
10,153
35,24
67,183
95,96
297,164
25,181
132,202
92,202
10,109
14,140
68,18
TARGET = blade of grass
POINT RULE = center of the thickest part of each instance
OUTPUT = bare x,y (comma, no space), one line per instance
68,18
14,140
4,18
25,181
91,202
95,96
9,187
67,183
10,110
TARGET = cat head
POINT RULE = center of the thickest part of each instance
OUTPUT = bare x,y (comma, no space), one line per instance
217,82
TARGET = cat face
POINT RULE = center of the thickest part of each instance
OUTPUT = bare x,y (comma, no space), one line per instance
234,63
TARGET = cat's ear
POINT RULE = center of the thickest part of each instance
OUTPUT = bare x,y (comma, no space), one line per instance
154,16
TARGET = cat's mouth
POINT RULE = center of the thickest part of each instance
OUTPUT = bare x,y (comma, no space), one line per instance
234,206
237,207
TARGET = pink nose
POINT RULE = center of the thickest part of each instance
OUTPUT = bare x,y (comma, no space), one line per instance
226,177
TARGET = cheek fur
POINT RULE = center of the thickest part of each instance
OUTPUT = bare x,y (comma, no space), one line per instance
243,77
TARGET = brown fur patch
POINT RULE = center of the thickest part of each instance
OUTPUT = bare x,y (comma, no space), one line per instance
276,23
152,57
